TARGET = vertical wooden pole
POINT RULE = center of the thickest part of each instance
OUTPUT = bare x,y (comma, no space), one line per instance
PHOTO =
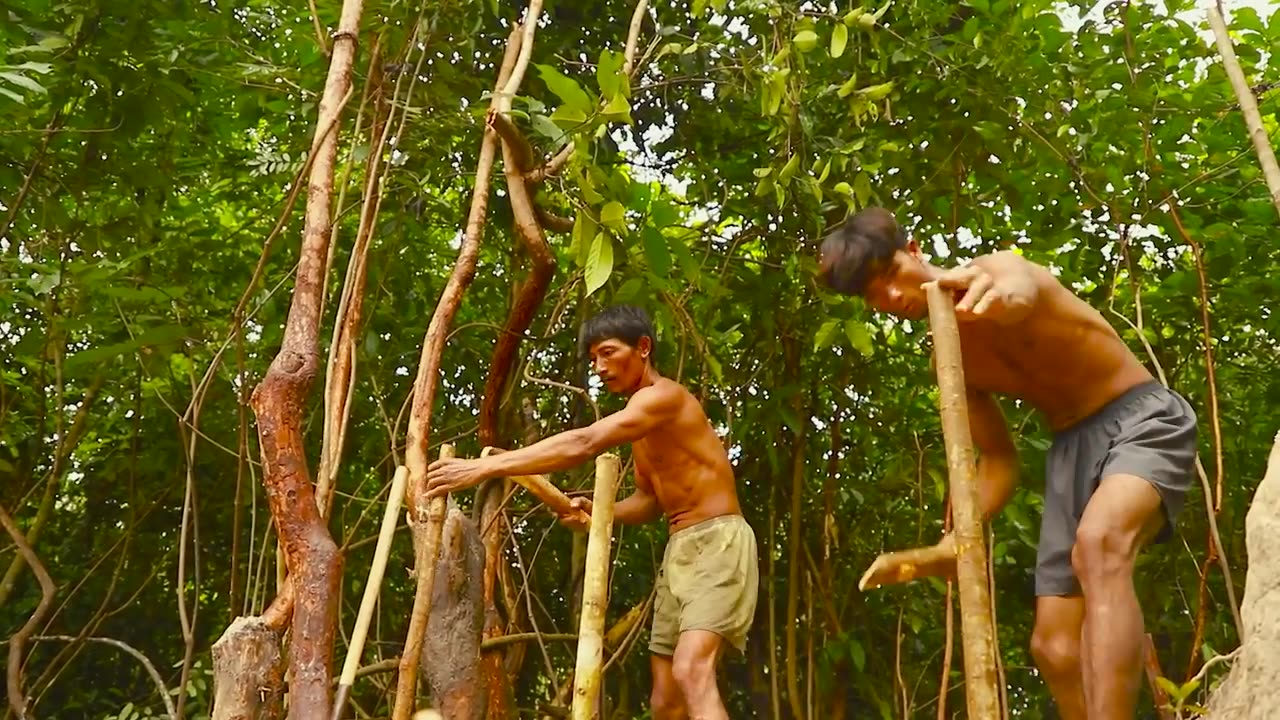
976,628
371,590
595,591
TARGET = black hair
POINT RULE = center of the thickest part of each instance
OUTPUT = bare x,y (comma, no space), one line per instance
860,247
627,323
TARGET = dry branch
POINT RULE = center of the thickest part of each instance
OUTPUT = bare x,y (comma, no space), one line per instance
977,633
543,489
595,592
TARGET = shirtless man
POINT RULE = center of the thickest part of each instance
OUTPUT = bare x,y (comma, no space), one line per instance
707,585
1120,465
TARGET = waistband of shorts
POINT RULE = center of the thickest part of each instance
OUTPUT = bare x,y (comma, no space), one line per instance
709,523
1118,405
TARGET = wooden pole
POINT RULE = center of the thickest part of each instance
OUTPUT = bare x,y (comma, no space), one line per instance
1248,103
541,488
371,590
595,591
977,630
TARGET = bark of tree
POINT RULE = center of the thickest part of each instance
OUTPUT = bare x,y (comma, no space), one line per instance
427,521
453,634
977,633
1252,689
795,541
278,403
595,594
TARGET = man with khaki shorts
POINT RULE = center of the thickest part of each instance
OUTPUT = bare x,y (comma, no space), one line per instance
707,586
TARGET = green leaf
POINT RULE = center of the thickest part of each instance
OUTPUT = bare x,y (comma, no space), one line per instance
13,96
656,251
843,188
852,16
568,118
862,187
23,81
569,92
823,338
618,110
858,655
584,228
789,169
599,262
1167,685
805,40
839,39
609,73
858,336
613,216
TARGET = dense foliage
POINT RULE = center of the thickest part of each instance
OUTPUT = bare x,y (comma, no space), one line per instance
148,149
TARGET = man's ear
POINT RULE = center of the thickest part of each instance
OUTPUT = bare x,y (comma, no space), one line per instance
645,346
913,248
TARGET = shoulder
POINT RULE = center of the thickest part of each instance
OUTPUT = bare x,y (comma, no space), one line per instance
662,395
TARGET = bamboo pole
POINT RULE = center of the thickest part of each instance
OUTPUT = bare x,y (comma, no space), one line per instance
543,489
1248,103
595,591
976,627
371,590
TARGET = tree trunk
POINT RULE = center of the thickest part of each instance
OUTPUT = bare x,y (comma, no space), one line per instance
977,633
278,404
1252,689
248,671
457,618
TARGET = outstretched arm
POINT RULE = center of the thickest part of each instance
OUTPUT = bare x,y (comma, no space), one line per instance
646,410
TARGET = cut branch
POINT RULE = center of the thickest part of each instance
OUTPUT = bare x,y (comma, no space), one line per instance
977,633
595,593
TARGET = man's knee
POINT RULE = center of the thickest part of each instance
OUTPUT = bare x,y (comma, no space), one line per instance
1056,653
694,673
665,700
1102,552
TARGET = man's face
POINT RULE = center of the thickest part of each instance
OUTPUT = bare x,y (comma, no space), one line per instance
619,365
896,288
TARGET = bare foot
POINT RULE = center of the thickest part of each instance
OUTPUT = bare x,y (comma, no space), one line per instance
907,565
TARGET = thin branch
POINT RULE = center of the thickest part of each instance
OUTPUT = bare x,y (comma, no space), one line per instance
146,663
18,641
551,221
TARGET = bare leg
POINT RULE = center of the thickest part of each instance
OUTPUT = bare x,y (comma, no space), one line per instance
665,699
1055,645
1123,515
694,667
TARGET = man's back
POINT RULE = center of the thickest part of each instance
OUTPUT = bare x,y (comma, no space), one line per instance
1063,358
685,463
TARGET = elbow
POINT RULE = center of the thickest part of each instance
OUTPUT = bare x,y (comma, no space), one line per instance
585,445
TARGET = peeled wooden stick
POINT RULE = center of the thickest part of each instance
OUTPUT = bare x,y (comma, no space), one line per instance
595,591
371,590
977,630
543,489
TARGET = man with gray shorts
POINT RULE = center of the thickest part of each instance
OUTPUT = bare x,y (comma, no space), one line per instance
1118,471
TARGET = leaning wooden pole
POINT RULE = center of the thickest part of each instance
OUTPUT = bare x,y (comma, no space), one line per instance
595,591
371,590
1248,103
976,627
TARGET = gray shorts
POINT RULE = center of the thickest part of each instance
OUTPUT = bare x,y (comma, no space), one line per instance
1148,431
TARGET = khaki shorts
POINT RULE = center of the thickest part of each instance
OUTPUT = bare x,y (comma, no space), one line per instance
709,580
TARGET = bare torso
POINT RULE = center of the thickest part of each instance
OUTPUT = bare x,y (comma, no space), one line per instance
685,466
1064,358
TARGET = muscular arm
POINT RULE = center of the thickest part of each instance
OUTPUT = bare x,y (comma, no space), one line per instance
997,456
646,410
